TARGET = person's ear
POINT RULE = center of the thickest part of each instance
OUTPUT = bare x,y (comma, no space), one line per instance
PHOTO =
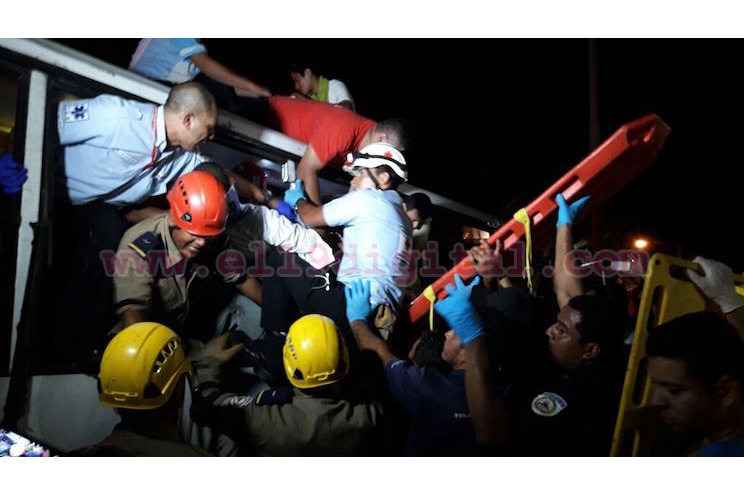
591,351
384,178
728,390
381,137
187,119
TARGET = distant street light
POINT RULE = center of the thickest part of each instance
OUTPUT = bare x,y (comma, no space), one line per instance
640,243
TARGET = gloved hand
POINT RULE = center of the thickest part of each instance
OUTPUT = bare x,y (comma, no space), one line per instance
218,350
459,312
285,210
717,283
12,175
358,306
567,213
294,194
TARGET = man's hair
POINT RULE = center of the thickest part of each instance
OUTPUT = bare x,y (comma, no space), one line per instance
217,171
603,321
399,133
395,179
705,341
429,350
419,201
304,62
190,97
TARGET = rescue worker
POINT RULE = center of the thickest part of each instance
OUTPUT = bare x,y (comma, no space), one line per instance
116,160
313,417
434,399
167,264
376,242
696,362
144,375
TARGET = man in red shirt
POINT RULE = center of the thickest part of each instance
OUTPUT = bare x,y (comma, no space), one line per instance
331,132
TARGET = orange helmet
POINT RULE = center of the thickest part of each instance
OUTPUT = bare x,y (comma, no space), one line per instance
198,204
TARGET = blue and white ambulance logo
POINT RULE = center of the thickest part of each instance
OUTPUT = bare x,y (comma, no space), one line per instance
548,404
74,113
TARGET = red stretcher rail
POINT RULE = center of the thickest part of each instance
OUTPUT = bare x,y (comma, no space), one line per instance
631,149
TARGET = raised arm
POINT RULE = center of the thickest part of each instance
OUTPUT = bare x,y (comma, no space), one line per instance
487,410
219,72
717,283
565,284
358,309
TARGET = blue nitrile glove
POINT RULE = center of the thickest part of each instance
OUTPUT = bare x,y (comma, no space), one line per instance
459,312
294,194
12,175
358,306
567,213
285,210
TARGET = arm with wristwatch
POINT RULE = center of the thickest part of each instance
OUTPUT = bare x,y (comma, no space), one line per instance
308,213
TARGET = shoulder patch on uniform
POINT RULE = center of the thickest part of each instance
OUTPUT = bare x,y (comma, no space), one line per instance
240,401
145,243
74,113
276,396
548,404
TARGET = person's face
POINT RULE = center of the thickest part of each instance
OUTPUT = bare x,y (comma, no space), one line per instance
452,347
686,405
189,245
302,82
362,179
565,340
415,217
199,128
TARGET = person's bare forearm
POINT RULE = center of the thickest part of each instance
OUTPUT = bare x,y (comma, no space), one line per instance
565,285
736,319
367,340
487,411
219,72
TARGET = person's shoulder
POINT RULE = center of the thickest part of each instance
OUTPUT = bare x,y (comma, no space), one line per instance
116,107
274,396
155,225
731,447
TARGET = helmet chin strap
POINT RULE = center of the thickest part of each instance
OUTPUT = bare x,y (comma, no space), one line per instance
373,178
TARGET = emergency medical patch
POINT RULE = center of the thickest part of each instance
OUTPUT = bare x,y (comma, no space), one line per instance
548,404
74,113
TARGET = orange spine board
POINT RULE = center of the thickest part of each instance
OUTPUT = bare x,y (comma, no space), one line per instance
618,160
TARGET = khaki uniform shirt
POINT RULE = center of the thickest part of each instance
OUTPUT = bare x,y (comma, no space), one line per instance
303,425
155,281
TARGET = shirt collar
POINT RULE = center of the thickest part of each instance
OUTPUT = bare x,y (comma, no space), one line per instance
161,140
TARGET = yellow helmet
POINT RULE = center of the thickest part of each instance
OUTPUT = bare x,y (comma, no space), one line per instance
315,353
141,367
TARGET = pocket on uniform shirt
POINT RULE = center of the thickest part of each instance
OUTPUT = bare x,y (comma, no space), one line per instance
129,157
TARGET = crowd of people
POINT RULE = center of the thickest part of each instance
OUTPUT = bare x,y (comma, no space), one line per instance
166,239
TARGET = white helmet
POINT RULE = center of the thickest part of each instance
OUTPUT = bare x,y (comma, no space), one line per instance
378,154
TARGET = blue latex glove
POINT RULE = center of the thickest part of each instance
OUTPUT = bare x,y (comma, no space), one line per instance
459,312
567,213
358,306
294,194
285,210
12,175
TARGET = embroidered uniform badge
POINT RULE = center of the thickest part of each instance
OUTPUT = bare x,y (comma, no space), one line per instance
548,404
74,113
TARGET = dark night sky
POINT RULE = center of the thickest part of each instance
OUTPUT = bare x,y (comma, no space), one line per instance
506,118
